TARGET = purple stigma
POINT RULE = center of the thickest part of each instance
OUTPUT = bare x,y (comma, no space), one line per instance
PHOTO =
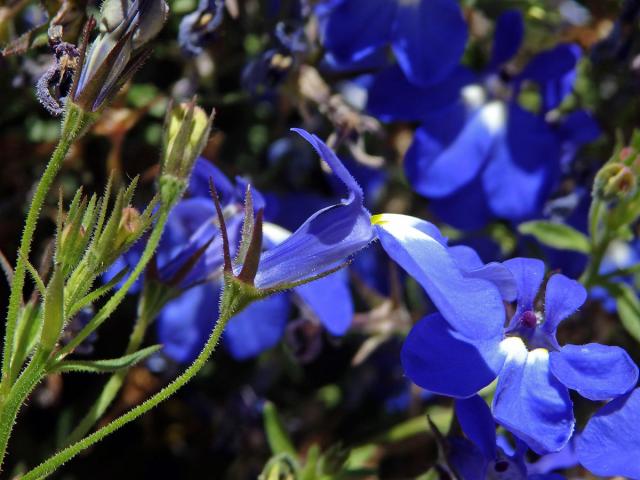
529,319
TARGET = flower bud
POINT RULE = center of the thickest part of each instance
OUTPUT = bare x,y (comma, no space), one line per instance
129,227
126,27
187,128
615,181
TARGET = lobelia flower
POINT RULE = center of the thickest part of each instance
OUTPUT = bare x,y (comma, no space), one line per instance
483,455
610,443
452,357
323,242
198,28
126,27
427,37
478,154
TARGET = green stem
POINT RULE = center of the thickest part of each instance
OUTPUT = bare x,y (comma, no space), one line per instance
17,395
232,302
74,121
148,310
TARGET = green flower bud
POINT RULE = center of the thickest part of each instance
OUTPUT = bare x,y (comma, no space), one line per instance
53,314
187,128
615,181
130,226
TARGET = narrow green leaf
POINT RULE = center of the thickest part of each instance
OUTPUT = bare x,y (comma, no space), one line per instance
556,235
104,366
628,308
277,436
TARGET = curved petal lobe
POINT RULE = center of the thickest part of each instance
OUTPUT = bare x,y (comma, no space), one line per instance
439,359
597,372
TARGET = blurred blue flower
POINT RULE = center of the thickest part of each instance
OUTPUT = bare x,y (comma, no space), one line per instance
427,37
452,356
197,29
610,443
479,155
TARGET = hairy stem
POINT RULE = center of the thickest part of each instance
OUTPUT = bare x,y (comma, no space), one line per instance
74,122
232,302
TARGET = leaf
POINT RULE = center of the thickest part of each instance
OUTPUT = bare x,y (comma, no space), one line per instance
277,436
104,366
556,235
628,308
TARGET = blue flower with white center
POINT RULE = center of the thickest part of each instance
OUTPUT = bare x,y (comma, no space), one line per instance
478,154
427,37
457,358
610,443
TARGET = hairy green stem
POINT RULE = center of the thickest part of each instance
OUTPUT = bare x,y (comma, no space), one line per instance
232,302
148,309
73,124
17,395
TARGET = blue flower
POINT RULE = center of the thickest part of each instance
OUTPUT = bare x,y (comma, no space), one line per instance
427,37
483,455
325,240
457,356
197,29
610,443
479,155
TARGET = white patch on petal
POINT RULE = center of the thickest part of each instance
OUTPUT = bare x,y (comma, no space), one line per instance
275,233
620,254
514,349
474,96
539,355
494,116
401,227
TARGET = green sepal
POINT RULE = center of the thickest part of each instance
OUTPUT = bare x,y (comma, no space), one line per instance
103,366
53,311
556,235
277,435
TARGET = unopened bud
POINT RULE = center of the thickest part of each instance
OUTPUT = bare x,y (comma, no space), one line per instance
187,128
130,225
615,181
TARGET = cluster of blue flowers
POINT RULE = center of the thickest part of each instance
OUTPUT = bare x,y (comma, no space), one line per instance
493,148
479,155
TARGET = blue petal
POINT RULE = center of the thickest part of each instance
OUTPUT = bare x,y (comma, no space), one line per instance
562,298
258,327
194,33
328,237
610,443
507,38
330,299
354,29
429,37
477,424
524,166
597,372
472,267
441,360
467,459
528,274
555,72
565,458
185,323
446,169
392,97
203,172
467,209
530,402
472,306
